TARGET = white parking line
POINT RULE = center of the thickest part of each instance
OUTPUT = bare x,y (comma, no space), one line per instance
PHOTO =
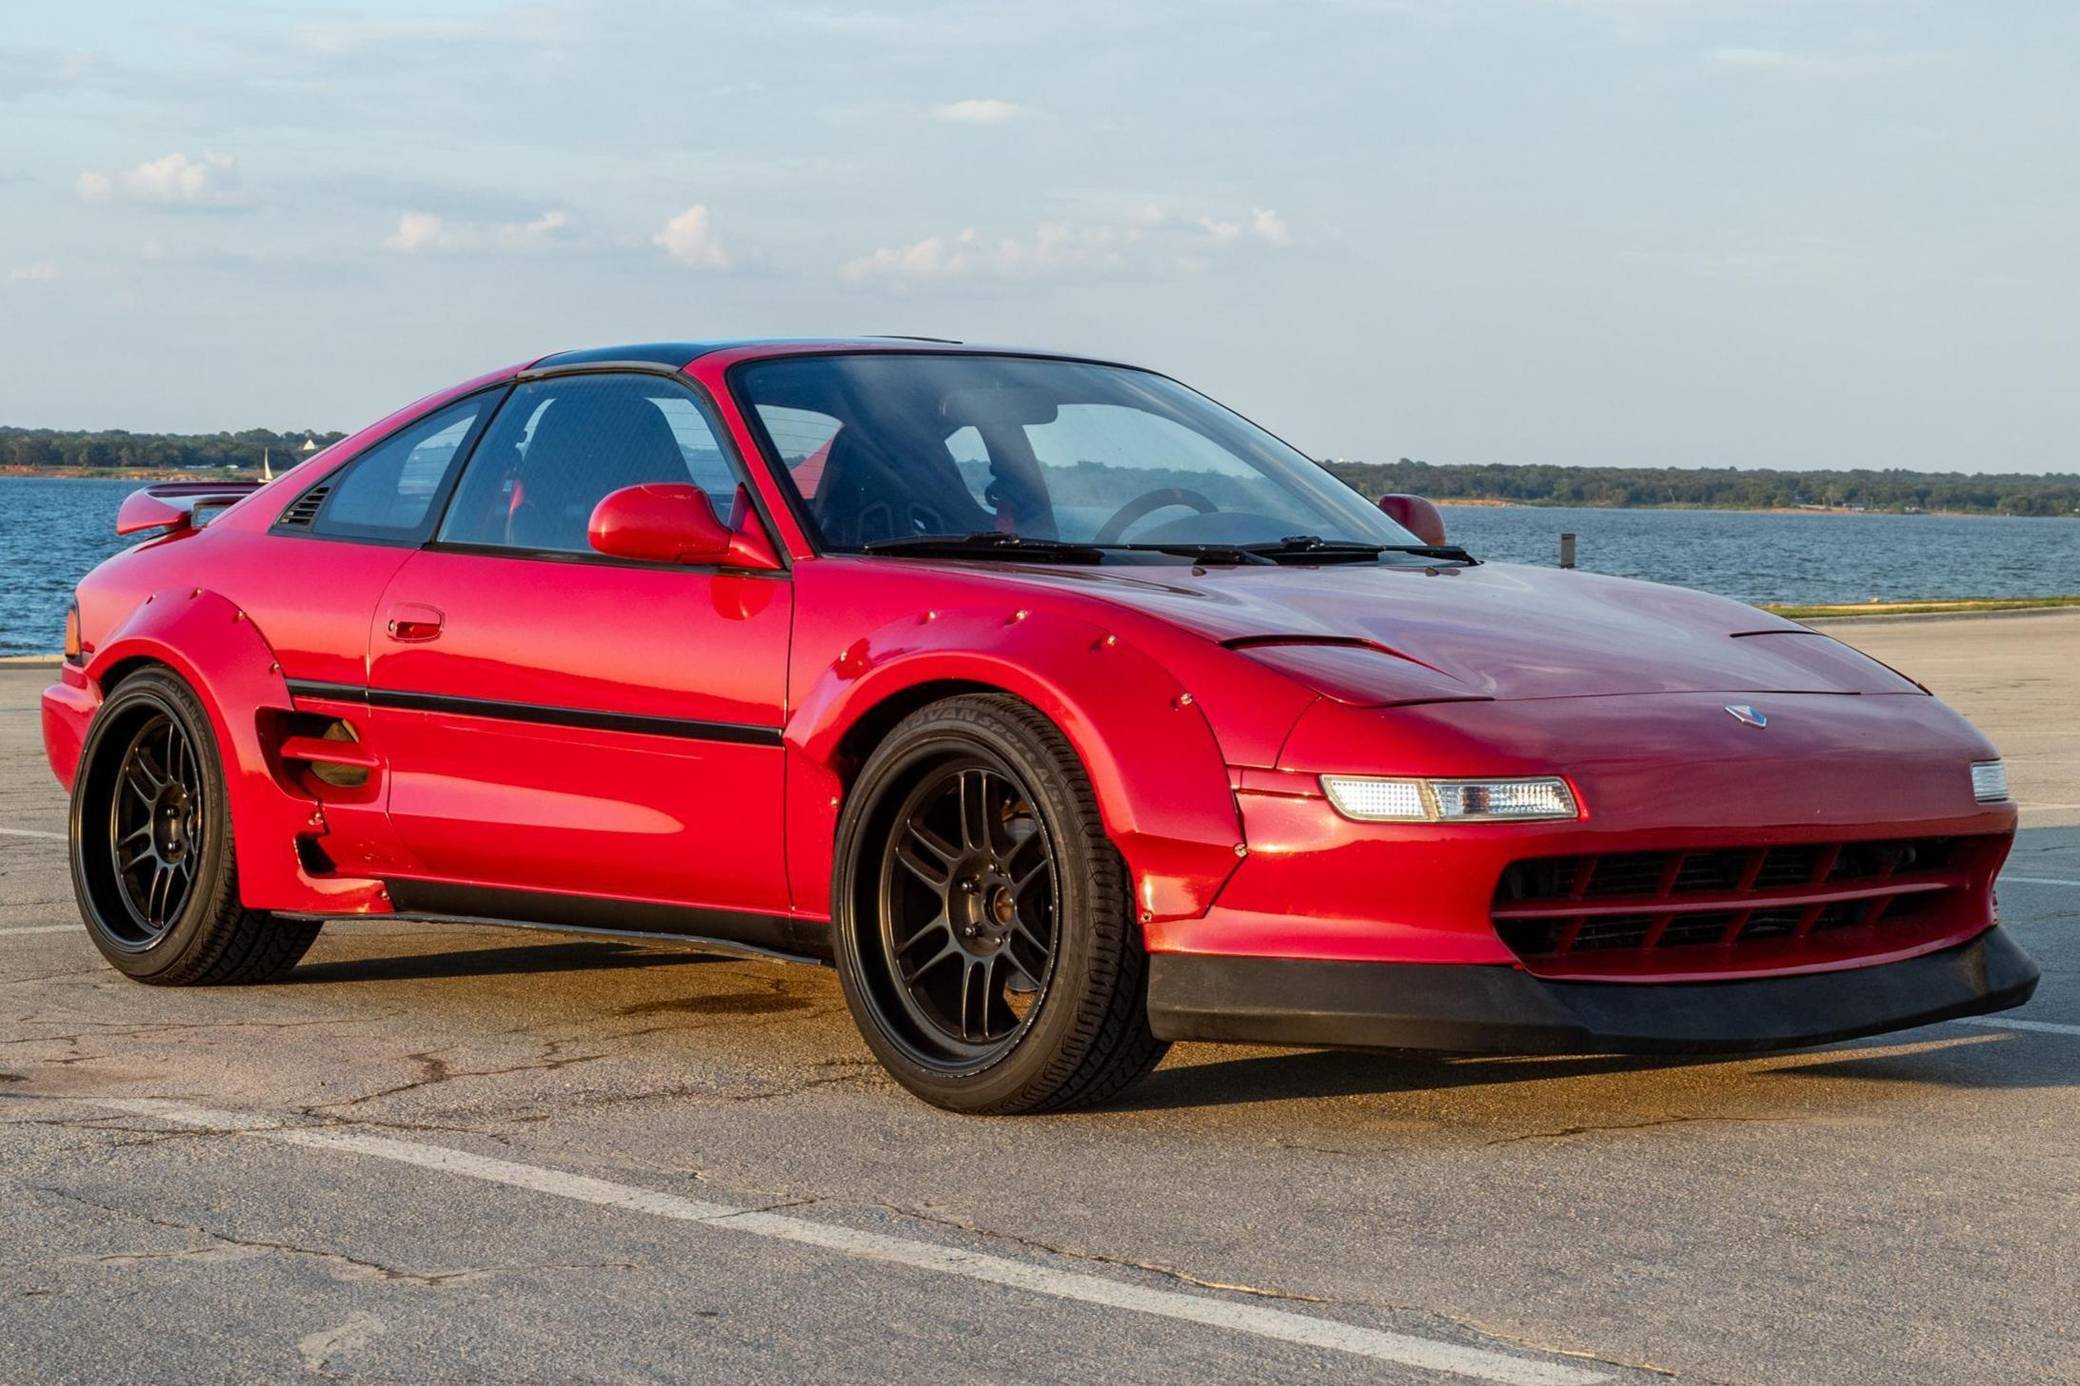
2040,880
43,929
1307,1330
2049,1027
31,832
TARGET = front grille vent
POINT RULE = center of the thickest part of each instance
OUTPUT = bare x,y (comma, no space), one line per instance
1626,908
305,509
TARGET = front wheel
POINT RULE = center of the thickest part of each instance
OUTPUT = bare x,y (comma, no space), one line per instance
982,921
152,862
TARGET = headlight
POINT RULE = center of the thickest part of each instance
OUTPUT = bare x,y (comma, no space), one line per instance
1372,800
1989,781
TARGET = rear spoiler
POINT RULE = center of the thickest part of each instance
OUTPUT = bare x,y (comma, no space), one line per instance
173,505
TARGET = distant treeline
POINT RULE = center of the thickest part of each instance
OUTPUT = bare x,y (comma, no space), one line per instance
1718,488
1721,488
44,447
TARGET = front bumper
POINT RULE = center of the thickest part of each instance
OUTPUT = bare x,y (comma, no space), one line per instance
1504,1010
68,708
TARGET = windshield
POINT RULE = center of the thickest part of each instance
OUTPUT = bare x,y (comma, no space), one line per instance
885,448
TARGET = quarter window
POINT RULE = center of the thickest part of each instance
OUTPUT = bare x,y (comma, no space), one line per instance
389,491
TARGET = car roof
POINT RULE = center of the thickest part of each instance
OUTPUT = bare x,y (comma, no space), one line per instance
681,354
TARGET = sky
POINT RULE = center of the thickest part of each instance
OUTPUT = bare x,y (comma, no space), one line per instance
1794,233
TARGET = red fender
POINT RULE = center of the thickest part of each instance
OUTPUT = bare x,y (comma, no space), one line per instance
1127,716
210,643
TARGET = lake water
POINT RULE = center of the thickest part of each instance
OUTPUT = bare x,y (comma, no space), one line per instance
52,530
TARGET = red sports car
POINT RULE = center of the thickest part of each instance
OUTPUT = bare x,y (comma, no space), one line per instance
1065,711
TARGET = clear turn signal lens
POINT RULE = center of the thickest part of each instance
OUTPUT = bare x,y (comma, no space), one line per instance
1989,781
1372,800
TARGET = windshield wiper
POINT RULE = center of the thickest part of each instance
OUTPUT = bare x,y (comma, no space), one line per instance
1312,548
1201,553
988,543
1449,552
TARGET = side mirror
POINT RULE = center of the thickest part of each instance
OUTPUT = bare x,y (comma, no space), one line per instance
672,522
1416,515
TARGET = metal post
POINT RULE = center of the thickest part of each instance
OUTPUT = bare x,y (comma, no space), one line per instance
1567,550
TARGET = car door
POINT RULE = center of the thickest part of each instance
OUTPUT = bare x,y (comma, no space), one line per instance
574,736
312,582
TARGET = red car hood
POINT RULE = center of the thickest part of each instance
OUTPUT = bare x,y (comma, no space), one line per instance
1494,631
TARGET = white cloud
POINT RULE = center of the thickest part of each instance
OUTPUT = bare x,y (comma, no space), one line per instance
1147,239
690,240
968,254
979,111
1269,227
420,233
417,231
1806,64
42,272
174,179
532,235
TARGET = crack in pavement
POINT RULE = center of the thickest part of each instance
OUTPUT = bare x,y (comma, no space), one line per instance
1101,1258
1648,1124
225,1245
134,1030
435,1071
1475,1326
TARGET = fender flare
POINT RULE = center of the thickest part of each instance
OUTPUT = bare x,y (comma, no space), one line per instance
1158,773
218,652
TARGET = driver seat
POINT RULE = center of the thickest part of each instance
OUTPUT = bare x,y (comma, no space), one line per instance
586,444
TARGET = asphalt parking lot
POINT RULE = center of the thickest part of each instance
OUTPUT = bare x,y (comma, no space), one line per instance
444,1154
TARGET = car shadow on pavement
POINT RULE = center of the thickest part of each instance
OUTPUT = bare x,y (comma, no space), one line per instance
586,956
1940,1056
1307,1074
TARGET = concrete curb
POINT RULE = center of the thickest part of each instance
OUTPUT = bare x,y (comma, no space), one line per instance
1934,616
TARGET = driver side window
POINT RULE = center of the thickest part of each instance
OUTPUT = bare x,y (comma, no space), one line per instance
560,445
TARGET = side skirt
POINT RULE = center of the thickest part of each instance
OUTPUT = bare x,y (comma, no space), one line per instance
761,935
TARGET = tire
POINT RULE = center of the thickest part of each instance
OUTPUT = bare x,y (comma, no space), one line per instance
971,863
152,861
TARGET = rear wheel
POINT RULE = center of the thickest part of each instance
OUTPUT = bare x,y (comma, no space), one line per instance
152,861
982,921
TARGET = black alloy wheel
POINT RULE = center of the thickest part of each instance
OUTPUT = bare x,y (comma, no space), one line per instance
153,863
969,912
982,922
155,830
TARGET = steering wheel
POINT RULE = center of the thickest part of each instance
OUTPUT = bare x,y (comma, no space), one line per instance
1141,506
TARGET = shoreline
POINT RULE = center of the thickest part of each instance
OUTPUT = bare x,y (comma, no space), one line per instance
1490,503
130,474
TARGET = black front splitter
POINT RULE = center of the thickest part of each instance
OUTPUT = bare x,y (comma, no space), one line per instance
1504,1010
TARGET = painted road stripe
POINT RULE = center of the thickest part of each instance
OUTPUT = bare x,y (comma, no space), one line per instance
2049,1027
45,929
31,832
1422,1353
2040,880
